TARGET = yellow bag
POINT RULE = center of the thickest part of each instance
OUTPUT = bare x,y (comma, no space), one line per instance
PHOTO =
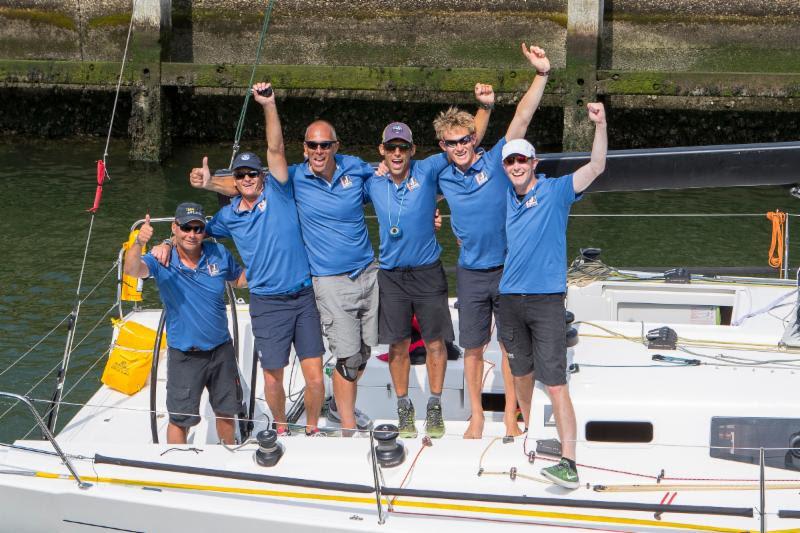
131,357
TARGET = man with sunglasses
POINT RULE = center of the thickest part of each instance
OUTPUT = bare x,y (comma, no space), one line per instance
534,281
264,224
192,289
473,185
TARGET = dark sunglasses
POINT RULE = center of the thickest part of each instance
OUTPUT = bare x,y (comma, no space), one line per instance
452,143
325,145
242,175
391,147
521,159
187,228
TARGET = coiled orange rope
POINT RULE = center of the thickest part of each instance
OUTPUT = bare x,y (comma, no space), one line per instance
778,220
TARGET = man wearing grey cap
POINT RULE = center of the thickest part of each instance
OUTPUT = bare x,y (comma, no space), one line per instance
534,282
192,288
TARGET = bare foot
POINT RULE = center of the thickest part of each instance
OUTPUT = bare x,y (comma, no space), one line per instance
475,428
512,427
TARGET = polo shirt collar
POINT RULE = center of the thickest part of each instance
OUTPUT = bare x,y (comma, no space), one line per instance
175,259
237,200
476,167
337,173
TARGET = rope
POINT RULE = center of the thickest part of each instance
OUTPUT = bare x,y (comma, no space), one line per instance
240,125
778,219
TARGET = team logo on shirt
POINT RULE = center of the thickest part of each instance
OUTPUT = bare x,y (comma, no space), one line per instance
531,202
346,182
213,269
412,184
262,205
481,177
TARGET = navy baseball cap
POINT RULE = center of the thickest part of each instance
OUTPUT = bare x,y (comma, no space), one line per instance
248,160
397,130
188,212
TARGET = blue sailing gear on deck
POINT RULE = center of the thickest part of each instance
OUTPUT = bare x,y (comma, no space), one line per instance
268,239
537,237
477,200
410,207
194,298
332,216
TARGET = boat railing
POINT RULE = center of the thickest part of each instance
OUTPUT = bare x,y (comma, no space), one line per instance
49,436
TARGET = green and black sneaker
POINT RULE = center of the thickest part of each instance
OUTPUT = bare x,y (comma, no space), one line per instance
405,416
434,423
562,474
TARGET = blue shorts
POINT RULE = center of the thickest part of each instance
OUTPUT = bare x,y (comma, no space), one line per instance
280,321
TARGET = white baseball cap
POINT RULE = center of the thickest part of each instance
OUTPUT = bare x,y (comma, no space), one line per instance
519,146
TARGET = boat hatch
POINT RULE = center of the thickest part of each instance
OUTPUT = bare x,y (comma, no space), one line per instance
740,438
618,431
671,306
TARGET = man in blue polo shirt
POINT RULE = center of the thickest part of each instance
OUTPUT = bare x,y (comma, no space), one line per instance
473,186
264,225
192,288
534,281
411,278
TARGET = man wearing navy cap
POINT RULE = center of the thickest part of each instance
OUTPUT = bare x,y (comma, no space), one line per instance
192,288
263,222
534,281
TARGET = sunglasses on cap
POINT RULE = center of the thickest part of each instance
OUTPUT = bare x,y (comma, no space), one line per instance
242,174
452,143
518,158
191,228
325,145
391,147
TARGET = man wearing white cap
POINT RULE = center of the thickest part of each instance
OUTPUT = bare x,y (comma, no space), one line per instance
534,282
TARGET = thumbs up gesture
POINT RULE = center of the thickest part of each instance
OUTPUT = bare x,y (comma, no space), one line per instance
200,178
145,232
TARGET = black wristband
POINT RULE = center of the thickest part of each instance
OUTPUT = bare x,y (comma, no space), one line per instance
545,73
168,242
487,107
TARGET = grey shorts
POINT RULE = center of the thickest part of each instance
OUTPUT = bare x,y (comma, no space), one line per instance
188,373
478,299
420,291
348,311
534,332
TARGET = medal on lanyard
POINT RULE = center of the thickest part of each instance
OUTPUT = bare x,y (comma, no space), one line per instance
394,229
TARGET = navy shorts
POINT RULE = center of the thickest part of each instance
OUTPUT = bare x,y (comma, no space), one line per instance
478,299
280,321
534,332
189,372
420,291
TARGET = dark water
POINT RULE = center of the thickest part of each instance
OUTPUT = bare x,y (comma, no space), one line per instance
48,185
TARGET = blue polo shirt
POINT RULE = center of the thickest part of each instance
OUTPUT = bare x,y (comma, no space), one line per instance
477,200
268,239
194,297
537,237
332,216
409,206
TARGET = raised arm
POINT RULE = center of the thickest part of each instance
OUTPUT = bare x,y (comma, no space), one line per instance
533,96
484,94
200,178
276,157
585,175
134,266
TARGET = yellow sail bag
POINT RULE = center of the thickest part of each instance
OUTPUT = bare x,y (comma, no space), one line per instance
131,357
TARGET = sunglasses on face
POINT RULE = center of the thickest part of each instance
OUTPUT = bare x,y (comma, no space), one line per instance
187,228
391,147
452,143
241,174
515,158
324,145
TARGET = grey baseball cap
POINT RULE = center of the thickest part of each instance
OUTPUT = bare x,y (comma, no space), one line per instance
397,130
188,212
247,160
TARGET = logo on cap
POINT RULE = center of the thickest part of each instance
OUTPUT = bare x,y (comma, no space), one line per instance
397,128
245,157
